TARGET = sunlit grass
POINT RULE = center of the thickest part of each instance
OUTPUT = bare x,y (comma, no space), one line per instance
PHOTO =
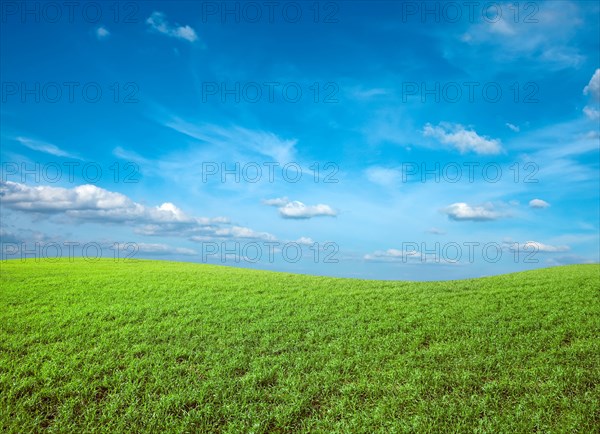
153,346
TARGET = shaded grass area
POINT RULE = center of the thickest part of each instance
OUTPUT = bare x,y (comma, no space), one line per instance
156,346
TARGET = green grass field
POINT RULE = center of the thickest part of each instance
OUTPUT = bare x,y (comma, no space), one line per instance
153,346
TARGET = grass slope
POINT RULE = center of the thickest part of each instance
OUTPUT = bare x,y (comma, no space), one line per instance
152,346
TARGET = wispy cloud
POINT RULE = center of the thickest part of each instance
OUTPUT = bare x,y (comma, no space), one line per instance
47,148
158,22
383,176
561,148
513,127
367,94
436,231
593,89
543,34
260,142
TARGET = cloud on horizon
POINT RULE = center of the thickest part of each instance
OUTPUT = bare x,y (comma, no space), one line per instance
88,203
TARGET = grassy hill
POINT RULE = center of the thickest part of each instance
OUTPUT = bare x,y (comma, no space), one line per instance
153,346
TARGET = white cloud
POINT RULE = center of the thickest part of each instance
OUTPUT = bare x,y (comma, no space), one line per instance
538,203
298,210
461,211
90,203
465,140
186,32
512,127
158,22
593,87
102,33
535,246
305,241
50,199
278,202
382,176
45,147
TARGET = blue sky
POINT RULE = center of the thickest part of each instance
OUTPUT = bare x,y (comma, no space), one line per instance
377,105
